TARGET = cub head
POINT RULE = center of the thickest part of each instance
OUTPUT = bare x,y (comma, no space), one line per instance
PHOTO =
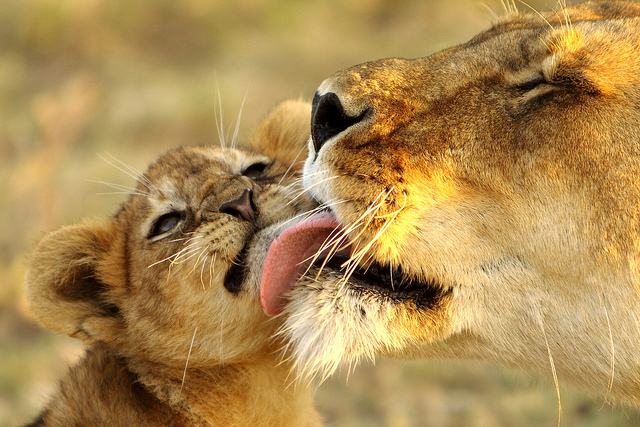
482,202
176,270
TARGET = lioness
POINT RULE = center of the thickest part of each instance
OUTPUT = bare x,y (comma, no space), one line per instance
488,200
165,293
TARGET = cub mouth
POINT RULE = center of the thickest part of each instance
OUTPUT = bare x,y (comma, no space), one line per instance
293,253
235,276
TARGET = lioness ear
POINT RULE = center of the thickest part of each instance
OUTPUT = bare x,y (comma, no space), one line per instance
284,133
68,281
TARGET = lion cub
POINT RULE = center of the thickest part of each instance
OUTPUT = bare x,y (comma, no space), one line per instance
165,293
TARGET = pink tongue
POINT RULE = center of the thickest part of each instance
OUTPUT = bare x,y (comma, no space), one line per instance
289,255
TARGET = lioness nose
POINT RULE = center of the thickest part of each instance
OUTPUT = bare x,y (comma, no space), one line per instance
242,207
329,119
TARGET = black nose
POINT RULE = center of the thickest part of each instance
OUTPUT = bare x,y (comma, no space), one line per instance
329,119
242,207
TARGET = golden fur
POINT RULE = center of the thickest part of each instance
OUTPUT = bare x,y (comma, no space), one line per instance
497,184
165,293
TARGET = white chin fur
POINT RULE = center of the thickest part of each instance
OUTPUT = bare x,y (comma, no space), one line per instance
325,332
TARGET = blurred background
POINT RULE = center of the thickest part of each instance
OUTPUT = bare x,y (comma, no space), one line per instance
82,81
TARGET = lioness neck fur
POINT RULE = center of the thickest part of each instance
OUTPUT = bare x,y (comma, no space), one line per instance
492,192
165,293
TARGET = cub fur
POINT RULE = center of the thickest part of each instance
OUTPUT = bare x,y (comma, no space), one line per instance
165,293
490,198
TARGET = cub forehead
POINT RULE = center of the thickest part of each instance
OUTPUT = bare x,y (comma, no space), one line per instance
195,161
230,160
177,178
177,170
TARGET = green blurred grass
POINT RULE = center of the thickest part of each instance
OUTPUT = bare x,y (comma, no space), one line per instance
130,79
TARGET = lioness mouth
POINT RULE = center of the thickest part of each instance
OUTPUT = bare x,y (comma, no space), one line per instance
293,253
389,283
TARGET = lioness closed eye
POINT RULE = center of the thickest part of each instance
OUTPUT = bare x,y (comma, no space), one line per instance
488,198
166,293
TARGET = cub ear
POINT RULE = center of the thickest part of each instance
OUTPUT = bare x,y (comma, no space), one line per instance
284,133
70,277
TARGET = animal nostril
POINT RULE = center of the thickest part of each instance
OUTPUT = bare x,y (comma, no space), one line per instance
242,207
329,119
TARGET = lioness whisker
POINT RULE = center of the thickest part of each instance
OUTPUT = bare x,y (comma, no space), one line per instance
333,244
551,363
312,212
338,240
383,228
396,212
304,192
358,255
613,352
312,174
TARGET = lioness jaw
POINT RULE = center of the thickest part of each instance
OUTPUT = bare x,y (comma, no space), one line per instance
492,191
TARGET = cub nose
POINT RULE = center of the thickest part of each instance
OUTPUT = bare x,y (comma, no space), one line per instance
329,119
242,207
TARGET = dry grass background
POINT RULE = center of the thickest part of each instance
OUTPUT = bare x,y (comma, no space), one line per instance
86,79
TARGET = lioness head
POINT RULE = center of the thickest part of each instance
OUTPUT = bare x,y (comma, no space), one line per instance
482,202
175,273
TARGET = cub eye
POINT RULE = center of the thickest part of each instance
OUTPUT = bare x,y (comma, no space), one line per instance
166,223
255,170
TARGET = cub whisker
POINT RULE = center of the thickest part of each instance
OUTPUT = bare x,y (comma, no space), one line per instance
234,138
180,239
124,189
184,374
195,264
175,257
219,120
130,171
182,258
211,269
204,263
293,162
